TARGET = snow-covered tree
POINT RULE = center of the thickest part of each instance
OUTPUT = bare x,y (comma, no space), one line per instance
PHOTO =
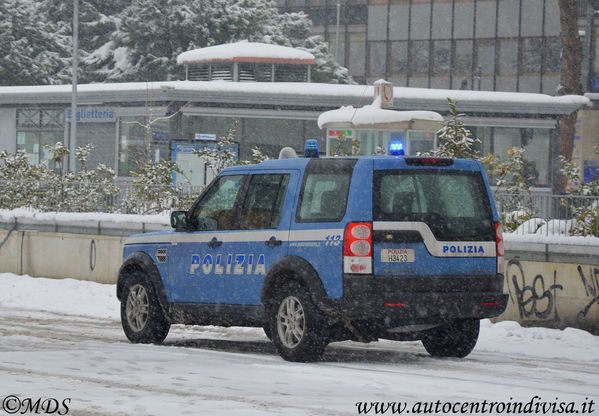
220,156
293,30
455,140
152,33
139,40
33,50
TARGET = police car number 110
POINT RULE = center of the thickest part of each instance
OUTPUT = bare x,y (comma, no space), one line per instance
397,255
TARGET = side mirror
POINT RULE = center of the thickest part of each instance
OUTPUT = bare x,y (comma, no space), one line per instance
179,220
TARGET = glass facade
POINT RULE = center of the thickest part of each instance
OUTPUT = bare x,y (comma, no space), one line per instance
536,143
371,142
501,45
494,140
36,128
141,141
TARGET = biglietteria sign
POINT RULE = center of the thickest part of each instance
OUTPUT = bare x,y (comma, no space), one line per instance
92,115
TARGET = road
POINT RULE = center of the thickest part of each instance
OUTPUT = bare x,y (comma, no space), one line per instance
85,364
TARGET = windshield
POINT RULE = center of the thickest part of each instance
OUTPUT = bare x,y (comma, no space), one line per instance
453,204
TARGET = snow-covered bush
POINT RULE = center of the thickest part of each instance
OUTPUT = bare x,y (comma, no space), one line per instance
153,191
20,181
37,186
584,208
513,194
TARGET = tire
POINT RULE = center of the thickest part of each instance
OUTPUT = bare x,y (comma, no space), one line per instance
141,314
297,326
456,339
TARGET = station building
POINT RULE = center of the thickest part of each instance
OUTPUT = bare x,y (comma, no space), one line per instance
179,116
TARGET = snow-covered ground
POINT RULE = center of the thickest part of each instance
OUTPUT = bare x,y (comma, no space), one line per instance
61,339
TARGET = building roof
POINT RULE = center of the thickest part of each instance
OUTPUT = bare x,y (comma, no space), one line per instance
294,94
245,51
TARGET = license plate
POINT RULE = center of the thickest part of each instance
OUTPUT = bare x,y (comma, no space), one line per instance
398,255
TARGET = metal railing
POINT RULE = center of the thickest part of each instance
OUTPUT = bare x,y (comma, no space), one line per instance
546,214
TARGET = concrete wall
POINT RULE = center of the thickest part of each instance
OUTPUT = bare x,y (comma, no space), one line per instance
87,248
61,255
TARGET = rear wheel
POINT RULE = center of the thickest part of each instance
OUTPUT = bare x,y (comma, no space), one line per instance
297,326
141,314
456,339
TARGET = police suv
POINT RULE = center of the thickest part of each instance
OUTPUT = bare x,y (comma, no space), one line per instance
317,250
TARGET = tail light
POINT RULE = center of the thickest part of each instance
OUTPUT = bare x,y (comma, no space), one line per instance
357,248
500,249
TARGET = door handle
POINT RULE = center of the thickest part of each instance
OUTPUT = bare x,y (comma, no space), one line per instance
215,243
272,242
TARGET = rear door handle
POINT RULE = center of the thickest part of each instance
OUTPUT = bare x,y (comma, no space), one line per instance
215,243
272,242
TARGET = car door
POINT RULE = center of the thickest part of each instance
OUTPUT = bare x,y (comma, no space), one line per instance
262,236
198,260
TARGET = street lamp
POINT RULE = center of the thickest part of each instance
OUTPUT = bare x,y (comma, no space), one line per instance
73,138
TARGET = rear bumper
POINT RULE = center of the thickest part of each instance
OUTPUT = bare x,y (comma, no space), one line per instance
391,301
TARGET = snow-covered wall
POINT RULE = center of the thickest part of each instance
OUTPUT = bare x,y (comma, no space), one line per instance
552,281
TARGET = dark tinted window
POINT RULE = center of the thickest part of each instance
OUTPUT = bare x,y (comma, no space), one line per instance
263,205
324,191
453,204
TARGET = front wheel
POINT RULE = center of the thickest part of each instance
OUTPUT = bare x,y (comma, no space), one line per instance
297,326
141,314
456,339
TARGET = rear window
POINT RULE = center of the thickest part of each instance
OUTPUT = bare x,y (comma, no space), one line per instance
454,204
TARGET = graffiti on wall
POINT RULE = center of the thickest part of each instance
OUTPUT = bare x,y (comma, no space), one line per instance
553,294
591,287
535,301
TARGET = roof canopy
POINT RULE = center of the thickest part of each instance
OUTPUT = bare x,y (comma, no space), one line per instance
245,51
374,117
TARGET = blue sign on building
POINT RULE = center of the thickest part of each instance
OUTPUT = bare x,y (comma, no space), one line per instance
595,83
92,115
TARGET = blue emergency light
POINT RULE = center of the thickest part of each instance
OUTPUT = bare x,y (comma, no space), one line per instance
311,148
396,148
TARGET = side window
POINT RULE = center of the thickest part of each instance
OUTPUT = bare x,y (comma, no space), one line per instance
324,197
263,205
215,209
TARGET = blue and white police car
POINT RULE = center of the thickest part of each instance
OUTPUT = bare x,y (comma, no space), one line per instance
316,250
